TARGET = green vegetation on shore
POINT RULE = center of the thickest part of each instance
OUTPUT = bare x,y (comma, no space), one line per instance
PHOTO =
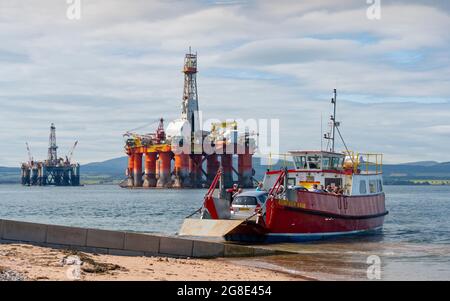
431,182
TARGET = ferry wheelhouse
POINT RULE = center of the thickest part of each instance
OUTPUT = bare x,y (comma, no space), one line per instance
355,174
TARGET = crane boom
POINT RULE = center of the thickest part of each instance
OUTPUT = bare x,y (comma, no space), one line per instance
30,157
72,150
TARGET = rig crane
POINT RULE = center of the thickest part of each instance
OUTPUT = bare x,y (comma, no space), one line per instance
70,155
30,157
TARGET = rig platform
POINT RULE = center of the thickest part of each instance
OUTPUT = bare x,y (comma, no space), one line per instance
186,156
53,171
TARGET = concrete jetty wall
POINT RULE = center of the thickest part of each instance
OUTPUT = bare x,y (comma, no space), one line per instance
120,243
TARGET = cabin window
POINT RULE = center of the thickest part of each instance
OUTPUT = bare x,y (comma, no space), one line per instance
336,162
314,162
333,182
326,163
291,181
362,187
373,186
380,186
300,162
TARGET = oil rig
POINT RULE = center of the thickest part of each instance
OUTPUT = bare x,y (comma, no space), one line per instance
184,155
53,171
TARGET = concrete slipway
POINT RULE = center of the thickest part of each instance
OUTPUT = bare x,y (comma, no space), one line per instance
121,243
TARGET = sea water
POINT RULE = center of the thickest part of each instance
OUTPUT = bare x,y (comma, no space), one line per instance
414,243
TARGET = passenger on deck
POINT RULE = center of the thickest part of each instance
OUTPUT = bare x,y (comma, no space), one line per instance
237,193
337,190
280,191
316,188
260,187
322,189
233,189
231,192
329,189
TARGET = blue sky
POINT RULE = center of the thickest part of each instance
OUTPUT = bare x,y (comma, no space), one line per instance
120,67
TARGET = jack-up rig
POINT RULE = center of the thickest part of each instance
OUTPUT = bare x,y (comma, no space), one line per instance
53,171
178,157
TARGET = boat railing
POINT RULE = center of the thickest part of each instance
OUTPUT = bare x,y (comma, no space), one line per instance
366,163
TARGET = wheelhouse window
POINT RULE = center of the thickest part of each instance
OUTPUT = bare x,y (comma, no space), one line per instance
314,162
326,163
300,162
336,162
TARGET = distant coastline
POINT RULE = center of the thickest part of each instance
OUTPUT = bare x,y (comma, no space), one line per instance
109,180
424,173
417,182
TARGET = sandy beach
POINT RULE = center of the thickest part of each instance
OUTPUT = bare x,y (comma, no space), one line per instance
32,263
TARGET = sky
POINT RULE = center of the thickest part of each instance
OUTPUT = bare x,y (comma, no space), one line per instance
118,67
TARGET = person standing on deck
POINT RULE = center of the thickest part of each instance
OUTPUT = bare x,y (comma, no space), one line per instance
231,192
260,187
316,188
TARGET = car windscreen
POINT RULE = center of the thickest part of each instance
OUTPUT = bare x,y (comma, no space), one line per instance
263,198
245,200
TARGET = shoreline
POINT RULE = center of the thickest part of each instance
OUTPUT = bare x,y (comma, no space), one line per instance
33,263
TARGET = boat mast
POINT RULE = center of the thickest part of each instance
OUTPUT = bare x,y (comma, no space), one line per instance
333,118
336,125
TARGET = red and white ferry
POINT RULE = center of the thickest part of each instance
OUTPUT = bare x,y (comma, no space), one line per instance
296,212
296,209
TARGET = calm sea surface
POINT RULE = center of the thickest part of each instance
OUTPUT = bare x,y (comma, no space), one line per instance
414,244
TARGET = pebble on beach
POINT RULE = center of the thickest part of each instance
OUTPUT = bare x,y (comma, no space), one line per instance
10,275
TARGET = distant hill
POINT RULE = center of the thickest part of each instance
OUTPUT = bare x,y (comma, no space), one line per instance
9,169
9,175
413,170
113,170
112,167
117,166
422,163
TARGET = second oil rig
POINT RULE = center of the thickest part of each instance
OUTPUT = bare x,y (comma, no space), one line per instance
53,171
184,155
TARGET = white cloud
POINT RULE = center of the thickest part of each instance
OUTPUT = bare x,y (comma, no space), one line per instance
119,67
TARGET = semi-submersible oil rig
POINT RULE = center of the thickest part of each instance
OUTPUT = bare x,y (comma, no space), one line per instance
53,171
178,157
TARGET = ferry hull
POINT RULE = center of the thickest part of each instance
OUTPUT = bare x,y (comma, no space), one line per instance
315,216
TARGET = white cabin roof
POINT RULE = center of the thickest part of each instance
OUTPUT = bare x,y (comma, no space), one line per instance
315,152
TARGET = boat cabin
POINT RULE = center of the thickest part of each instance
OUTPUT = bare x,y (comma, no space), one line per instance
355,174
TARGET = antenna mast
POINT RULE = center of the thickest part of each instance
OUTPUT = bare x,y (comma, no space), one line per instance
333,119
332,136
